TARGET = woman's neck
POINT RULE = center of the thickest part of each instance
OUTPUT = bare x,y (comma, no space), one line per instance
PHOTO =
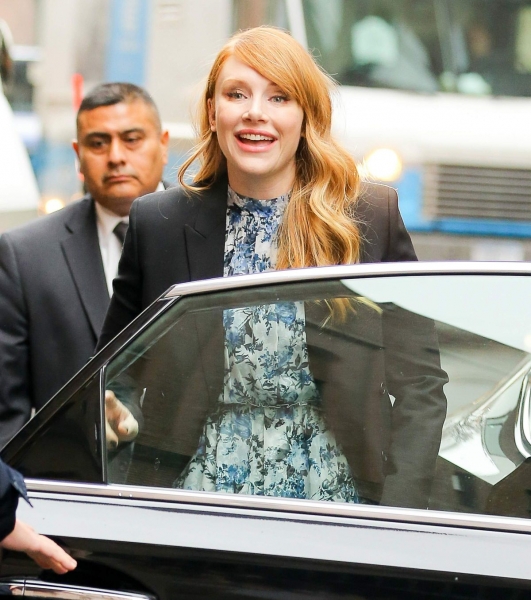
251,187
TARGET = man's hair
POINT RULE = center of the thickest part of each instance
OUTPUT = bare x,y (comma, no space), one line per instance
107,94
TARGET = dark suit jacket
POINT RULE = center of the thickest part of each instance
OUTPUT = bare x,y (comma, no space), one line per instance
391,448
11,487
53,300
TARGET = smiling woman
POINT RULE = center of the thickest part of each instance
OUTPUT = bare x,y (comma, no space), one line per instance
274,191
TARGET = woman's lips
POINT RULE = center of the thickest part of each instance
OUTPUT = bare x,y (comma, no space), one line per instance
255,140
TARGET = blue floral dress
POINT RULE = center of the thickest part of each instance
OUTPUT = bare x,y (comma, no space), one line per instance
268,435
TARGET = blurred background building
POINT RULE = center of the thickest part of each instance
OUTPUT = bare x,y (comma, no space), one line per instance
435,96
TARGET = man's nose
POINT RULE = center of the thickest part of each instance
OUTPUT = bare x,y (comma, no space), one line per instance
116,152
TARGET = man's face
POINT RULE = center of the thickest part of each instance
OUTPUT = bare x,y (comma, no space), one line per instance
121,153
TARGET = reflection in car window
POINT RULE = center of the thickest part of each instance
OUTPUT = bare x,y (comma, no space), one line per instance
68,446
355,408
307,391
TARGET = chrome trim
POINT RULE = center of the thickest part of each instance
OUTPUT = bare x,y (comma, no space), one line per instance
43,589
522,425
103,424
347,271
290,506
13,587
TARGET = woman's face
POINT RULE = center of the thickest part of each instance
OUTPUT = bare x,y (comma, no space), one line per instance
258,129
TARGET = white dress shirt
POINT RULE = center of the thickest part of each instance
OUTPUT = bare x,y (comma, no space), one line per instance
110,246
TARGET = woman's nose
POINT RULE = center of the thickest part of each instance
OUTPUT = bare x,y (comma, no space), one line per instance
255,111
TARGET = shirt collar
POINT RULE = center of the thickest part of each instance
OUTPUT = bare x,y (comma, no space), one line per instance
107,220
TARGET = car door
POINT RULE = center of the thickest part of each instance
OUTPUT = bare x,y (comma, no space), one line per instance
420,385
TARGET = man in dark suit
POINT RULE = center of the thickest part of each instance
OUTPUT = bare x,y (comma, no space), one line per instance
56,272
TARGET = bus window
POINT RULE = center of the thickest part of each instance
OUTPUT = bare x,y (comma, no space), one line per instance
477,47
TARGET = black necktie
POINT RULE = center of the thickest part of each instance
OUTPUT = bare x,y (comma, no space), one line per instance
120,230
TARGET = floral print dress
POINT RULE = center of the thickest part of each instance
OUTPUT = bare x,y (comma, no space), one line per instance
267,435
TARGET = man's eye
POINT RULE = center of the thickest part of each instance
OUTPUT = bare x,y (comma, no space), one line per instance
96,144
132,139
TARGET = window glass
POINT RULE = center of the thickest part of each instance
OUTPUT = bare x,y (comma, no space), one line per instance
478,47
337,391
68,446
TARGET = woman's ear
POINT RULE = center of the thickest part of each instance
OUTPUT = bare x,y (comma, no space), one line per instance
211,114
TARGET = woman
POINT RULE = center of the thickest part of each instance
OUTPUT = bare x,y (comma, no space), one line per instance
274,190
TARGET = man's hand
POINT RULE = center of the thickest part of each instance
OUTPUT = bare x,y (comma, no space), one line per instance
120,425
46,553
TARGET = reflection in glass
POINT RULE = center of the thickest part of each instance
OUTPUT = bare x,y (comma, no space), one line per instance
321,394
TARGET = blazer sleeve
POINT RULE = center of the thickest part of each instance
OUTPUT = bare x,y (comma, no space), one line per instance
383,233
400,247
15,386
11,487
415,379
126,301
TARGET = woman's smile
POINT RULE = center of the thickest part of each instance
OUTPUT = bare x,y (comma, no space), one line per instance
255,141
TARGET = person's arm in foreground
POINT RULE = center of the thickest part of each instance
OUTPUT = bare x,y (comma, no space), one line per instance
46,553
17,535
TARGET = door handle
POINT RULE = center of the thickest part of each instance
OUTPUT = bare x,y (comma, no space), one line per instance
31,588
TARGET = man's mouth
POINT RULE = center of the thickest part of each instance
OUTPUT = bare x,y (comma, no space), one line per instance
117,178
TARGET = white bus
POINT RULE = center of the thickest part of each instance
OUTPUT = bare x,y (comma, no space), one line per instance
436,100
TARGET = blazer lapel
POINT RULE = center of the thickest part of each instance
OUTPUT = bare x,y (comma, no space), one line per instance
205,240
83,255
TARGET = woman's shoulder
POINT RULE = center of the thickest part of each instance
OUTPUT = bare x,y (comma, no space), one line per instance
178,203
376,196
384,236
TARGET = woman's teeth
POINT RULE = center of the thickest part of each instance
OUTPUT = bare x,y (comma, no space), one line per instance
253,137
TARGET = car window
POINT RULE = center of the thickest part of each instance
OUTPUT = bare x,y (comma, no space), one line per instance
400,391
67,446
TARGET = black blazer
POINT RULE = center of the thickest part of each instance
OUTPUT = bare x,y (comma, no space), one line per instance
53,300
391,448
174,238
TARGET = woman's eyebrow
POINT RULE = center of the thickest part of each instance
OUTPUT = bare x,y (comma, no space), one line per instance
241,82
233,81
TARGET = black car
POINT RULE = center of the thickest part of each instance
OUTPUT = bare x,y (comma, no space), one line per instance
456,525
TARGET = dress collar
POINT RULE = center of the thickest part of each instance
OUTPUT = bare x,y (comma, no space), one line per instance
261,207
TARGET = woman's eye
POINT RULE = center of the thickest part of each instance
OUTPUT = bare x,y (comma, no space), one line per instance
279,98
235,95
